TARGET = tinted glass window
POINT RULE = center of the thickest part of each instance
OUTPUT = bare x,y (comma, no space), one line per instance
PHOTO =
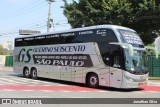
18,42
106,35
28,41
52,39
101,36
114,56
39,40
85,36
69,39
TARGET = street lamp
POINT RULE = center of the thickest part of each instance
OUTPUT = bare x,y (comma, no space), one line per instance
49,14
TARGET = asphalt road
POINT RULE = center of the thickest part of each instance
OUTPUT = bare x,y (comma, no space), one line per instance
15,86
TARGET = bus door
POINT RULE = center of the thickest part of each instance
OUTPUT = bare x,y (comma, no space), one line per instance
116,69
67,73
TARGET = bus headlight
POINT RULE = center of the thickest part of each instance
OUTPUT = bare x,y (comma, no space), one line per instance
135,80
129,78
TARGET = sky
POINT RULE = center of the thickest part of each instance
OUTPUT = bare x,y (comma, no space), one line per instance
29,15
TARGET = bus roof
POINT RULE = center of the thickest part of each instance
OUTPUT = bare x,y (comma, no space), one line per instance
79,29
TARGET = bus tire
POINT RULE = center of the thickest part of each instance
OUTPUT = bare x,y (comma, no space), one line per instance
92,80
34,73
26,72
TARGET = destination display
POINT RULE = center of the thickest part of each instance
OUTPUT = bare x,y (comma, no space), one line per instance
131,37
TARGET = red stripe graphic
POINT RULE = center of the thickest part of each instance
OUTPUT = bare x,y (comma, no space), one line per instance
54,88
65,88
151,88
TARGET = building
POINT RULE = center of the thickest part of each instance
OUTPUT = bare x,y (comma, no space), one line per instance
8,45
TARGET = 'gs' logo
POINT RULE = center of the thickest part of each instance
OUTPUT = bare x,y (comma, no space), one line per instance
22,55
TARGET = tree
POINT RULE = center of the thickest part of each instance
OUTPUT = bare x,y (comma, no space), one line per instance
140,15
1,50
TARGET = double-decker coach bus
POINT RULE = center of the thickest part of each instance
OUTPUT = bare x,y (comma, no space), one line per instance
105,55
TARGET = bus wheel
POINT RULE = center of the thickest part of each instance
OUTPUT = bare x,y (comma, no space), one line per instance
26,72
34,73
92,80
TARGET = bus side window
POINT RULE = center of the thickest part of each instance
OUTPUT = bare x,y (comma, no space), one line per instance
116,62
117,57
69,39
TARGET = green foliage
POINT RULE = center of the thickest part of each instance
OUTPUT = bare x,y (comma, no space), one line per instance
1,50
140,15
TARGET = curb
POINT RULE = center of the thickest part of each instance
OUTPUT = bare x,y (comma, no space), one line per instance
154,78
6,68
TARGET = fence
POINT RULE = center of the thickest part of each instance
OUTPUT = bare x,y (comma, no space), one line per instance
6,60
153,65
9,61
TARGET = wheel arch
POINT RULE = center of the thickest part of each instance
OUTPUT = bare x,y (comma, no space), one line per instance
33,75
87,75
33,68
25,67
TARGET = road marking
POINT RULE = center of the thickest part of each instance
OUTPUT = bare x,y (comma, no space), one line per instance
153,83
102,91
151,88
152,91
9,90
66,91
5,82
10,81
28,90
54,88
23,81
84,91
47,91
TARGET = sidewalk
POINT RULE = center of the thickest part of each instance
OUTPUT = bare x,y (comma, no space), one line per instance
154,78
4,68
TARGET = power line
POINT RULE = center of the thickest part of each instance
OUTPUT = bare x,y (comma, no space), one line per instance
24,10
34,27
27,25
19,10
27,9
35,22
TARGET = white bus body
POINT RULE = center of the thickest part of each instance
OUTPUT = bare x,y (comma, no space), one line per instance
83,61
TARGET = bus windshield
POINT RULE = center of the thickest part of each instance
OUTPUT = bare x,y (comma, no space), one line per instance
135,64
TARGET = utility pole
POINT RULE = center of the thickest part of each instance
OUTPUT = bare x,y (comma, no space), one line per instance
49,14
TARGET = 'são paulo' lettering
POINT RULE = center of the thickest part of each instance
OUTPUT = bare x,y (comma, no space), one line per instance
60,62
